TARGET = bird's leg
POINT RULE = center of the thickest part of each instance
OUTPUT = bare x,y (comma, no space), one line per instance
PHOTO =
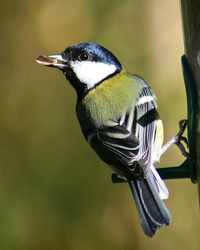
178,139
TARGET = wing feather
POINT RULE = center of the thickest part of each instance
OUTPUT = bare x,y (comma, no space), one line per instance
127,144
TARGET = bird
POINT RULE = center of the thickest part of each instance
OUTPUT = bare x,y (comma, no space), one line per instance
117,112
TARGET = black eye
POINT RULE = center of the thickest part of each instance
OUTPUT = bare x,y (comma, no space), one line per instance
83,57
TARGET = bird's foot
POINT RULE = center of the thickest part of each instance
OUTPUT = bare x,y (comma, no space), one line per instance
180,139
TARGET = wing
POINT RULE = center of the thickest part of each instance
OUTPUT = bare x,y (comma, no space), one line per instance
127,144
146,127
118,146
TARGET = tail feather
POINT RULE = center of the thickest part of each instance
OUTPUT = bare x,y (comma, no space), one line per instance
152,211
162,189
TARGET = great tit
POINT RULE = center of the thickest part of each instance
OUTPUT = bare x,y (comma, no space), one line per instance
117,112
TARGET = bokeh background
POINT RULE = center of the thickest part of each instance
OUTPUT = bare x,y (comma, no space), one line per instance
55,193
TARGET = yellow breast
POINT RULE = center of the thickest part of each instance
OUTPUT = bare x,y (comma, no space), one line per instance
111,98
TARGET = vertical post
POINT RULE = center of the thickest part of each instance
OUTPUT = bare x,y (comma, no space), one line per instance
191,29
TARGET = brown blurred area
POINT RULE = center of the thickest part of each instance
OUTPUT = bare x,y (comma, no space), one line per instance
55,193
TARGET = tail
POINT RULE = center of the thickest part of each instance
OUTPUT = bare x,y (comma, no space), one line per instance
148,197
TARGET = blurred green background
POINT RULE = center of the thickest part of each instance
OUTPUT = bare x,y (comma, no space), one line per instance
55,193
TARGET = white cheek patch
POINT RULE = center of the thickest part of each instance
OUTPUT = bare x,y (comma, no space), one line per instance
91,73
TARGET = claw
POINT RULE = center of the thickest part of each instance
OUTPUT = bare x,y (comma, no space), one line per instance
185,140
182,149
182,126
179,138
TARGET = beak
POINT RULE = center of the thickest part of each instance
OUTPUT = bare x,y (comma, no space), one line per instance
53,61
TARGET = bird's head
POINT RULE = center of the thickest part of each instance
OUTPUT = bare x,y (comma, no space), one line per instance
85,65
